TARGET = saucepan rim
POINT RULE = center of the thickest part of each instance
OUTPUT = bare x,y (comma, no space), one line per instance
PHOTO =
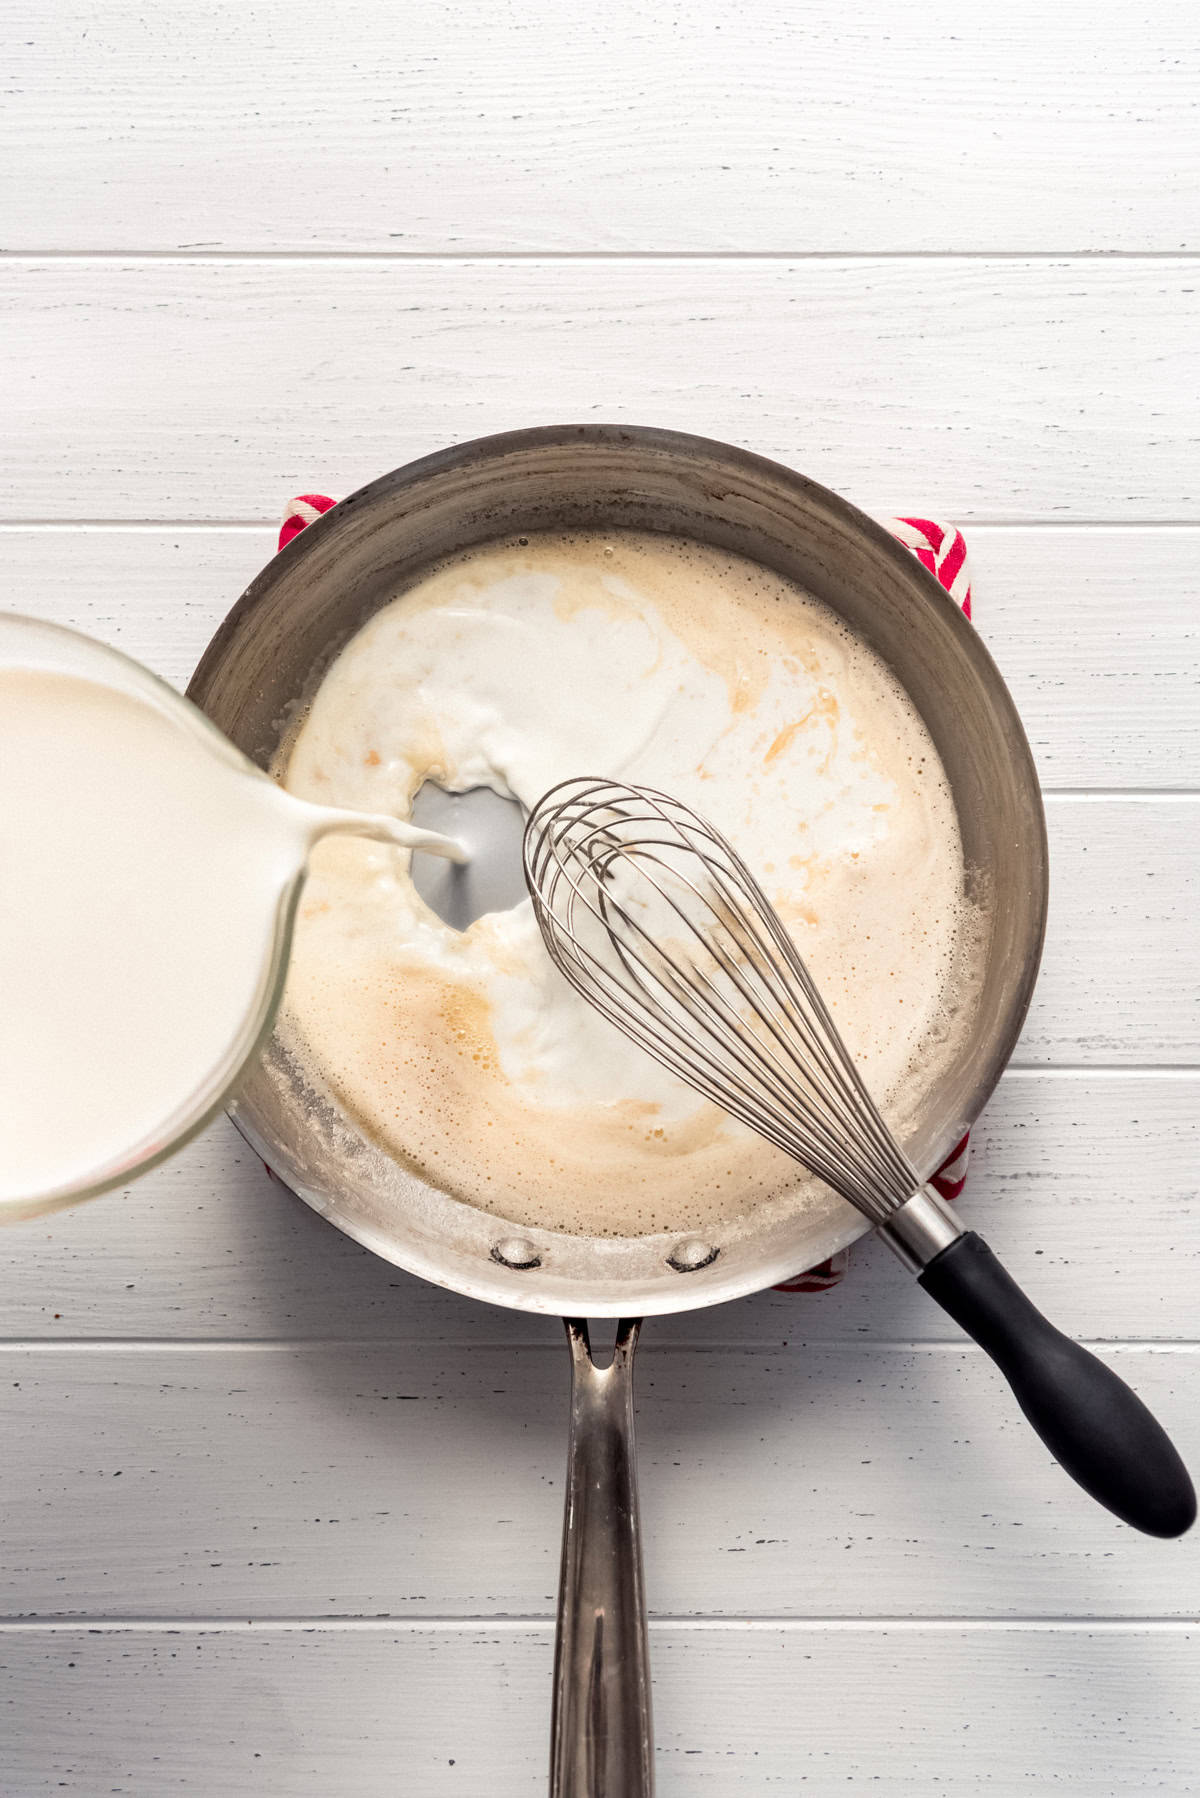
481,1275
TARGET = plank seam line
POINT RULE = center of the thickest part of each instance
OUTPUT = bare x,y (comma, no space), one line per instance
1141,793
1137,1070
213,253
318,1345
544,1624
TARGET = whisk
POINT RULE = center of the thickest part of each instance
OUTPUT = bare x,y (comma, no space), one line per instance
655,919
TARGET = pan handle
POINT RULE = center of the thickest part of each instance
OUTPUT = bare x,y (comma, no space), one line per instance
601,1741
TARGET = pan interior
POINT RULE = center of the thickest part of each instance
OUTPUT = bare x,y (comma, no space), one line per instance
492,828
308,603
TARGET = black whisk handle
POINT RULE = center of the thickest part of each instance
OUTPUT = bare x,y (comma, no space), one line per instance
1097,1429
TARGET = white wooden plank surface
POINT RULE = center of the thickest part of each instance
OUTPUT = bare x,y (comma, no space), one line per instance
1089,1713
1097,631
202,390
630,127
1120,978
1086,1184
157,593
855,1481
848,1480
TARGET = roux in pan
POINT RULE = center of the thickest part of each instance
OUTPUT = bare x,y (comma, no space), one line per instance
660,662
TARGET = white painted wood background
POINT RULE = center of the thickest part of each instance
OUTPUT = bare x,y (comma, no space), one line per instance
280,1520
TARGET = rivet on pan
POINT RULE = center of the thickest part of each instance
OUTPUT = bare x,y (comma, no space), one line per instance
516,1251
689,1257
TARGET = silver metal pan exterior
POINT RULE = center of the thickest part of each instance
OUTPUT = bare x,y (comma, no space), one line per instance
297,614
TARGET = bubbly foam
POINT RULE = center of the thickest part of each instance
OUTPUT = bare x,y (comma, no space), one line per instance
656,661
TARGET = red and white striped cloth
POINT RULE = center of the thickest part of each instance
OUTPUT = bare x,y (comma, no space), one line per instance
940,548
301,511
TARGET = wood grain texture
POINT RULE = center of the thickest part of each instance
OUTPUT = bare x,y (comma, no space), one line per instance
1120,979
1096,631
392,1481
233,1462
443,1713
1086,1185
440,128
156,593
997,389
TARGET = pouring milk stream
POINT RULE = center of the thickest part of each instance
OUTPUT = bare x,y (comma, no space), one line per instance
148,878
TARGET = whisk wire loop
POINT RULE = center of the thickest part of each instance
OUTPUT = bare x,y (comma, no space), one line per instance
656,920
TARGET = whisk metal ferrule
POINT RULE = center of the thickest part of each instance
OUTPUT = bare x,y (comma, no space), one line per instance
918,1231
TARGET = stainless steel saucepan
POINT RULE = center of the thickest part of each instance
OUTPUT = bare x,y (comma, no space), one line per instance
271,649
